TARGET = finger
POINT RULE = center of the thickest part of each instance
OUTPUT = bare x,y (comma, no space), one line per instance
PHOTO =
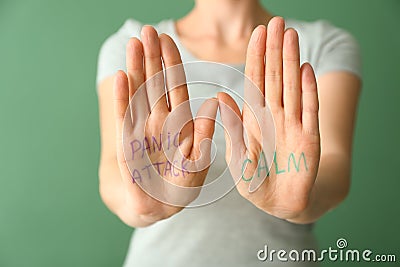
255,67
135,71
153,70
273,62
121,102
232,121
204,125
310,100
134,65
175,74
291,77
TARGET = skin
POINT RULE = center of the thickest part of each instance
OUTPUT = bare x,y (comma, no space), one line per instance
128,200
316,127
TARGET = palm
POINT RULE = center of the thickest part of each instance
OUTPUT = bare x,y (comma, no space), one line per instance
276,161
160,152
158,146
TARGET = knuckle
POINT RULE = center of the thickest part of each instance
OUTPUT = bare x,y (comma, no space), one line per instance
155,81
312,132
201,129
291,85
291,119
273,75
312,109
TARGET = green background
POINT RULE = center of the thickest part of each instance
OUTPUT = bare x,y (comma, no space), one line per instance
50,210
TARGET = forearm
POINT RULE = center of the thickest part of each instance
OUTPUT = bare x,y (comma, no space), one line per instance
113,194
331,187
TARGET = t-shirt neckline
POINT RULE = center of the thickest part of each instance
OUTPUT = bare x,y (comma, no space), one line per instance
173,33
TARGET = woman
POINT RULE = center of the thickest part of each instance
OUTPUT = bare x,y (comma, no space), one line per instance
311,167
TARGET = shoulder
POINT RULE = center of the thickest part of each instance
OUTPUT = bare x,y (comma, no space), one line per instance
131,28
319,32
327,47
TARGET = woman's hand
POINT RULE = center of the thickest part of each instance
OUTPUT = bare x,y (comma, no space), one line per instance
291,93
158,142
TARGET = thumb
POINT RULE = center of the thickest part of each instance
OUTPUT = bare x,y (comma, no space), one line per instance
204,125
232,120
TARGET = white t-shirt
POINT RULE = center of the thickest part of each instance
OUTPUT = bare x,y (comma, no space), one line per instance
230,231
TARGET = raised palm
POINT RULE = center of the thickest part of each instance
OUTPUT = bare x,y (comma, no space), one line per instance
275,164
158,149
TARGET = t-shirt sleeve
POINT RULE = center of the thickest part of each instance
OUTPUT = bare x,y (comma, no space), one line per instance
338,51
112,52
